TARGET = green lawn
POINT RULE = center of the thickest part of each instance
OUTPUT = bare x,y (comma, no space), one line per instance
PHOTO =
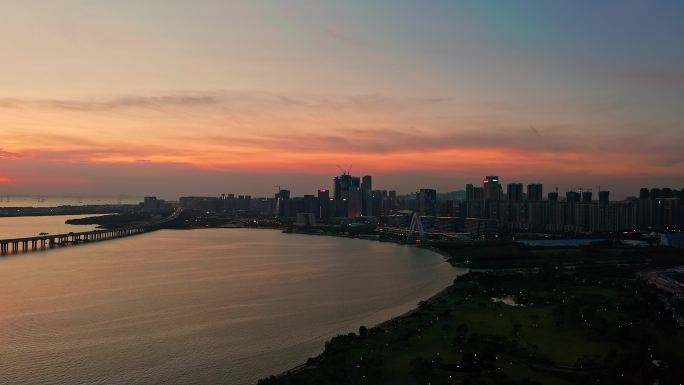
597,315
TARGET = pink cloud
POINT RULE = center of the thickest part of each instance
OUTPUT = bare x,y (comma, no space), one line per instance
79,143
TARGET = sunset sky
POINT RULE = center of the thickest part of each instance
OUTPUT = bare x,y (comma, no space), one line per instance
203,97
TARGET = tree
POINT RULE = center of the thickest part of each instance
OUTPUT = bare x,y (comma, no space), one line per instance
462,329
516,328
535,320
421,366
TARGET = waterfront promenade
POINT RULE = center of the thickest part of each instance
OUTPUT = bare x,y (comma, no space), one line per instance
49,241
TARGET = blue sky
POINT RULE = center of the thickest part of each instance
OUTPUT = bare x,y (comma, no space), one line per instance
576,83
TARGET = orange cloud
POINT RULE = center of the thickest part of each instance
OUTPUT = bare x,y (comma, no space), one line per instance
270,133
5,180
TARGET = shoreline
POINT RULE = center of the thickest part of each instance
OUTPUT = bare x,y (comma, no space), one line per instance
430,300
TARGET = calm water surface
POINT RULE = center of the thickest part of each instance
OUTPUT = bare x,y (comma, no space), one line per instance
15,227
203,306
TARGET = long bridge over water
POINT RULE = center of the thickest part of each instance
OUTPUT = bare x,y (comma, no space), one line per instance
49,241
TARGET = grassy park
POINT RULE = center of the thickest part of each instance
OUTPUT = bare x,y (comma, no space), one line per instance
570,316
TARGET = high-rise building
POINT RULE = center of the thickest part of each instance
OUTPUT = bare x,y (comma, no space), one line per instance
586,196
601,211
367,196
427,201
473,207
570,214
355,199
572,197
516,206
310,205
655,193
554,212
324,205
643,209
282,203
392,201
347,196
478,194
342,184
492,196
535,192
150,203
671,209
490,185
514,191
379,202
470,192
446,208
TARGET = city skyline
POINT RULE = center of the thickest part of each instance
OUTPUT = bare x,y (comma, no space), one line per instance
327,185
176,99
325,192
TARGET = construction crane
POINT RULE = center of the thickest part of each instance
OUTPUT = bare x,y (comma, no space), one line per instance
345,172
